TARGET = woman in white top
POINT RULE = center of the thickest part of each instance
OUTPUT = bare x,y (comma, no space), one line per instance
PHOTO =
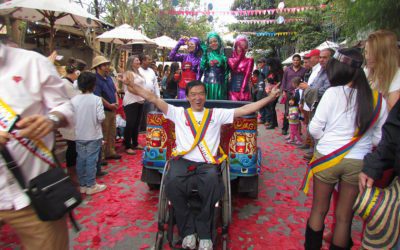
345,108
133,108
383,64
69,133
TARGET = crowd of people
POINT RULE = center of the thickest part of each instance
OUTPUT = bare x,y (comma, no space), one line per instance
342,97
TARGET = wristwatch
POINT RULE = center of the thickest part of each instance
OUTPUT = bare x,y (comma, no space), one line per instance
55,119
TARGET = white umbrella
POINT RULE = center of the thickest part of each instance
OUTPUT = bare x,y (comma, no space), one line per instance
165,42
324,45
289,59
328,45
54,12
124,34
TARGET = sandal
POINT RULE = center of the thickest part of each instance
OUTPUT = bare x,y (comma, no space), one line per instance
130,151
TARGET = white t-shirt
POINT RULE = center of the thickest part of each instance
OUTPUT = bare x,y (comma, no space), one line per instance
184,136
395,85
313,76
333,124
69,133
29,85
89,114
150,80
130,98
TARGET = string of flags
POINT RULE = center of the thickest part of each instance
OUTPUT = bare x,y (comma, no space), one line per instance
271,21
269,34
243,12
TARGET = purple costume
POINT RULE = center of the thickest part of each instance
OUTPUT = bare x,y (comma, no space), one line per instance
241,69
193,57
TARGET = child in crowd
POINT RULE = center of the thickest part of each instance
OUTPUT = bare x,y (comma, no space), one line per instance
89,114
297,95
254,81
293,118
121,124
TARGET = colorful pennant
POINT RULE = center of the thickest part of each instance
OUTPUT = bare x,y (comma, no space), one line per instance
271,21
243,12
269,33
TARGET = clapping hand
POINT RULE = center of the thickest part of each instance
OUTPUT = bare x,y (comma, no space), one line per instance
127,79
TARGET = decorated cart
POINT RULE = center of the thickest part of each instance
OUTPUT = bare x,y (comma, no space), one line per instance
238,140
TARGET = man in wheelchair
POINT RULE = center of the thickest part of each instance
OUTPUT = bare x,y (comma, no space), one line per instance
195,160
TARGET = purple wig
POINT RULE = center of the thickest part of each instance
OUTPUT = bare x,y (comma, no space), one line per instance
196,41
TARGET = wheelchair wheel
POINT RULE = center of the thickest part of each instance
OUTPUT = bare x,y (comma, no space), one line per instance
162,211
227,199
159,240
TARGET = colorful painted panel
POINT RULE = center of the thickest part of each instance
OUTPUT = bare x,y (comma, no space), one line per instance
243,147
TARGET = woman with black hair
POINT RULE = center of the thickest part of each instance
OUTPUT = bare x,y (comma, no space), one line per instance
73,71
274,77
347,124
171,89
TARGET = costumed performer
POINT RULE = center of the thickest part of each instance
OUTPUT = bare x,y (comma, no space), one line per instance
241,67
193,58
215,68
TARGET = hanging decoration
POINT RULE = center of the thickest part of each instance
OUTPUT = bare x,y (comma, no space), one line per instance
272,21
243,12
269,33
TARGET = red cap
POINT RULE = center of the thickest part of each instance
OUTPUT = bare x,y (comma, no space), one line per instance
314,52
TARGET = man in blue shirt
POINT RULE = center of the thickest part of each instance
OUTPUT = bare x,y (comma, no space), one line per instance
105,88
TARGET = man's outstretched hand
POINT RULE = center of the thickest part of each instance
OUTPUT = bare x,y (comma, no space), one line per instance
276,92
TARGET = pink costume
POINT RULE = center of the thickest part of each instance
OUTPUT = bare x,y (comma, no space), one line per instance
241,68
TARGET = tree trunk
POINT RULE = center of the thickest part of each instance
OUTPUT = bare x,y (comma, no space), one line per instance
96,8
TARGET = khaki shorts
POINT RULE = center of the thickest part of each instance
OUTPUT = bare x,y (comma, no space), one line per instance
347,170
34,233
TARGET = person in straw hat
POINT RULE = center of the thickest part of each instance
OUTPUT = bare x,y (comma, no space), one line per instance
380,208
105,88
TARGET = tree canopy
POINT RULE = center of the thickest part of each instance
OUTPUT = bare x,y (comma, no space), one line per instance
147,16
340,20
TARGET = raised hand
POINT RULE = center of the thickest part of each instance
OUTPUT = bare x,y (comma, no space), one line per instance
276,92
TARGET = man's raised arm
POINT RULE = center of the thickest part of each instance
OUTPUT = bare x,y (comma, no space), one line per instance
253,107
144,93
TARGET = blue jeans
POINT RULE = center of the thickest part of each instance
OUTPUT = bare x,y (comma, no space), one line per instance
88,154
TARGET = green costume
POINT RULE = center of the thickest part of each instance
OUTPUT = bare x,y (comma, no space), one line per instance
215,68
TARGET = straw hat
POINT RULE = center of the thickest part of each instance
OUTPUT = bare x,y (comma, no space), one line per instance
379,208
98,60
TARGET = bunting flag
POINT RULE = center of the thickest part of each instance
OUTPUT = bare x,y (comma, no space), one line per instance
243,12
271,21
269,33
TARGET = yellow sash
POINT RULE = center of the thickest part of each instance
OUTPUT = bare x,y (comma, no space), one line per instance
198,132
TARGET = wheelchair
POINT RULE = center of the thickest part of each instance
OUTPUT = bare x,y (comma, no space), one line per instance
221,220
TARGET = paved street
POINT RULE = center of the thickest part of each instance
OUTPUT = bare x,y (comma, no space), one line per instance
124,216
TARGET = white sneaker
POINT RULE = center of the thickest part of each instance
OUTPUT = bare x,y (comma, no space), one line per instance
189,242
82,190
96,188
205,245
